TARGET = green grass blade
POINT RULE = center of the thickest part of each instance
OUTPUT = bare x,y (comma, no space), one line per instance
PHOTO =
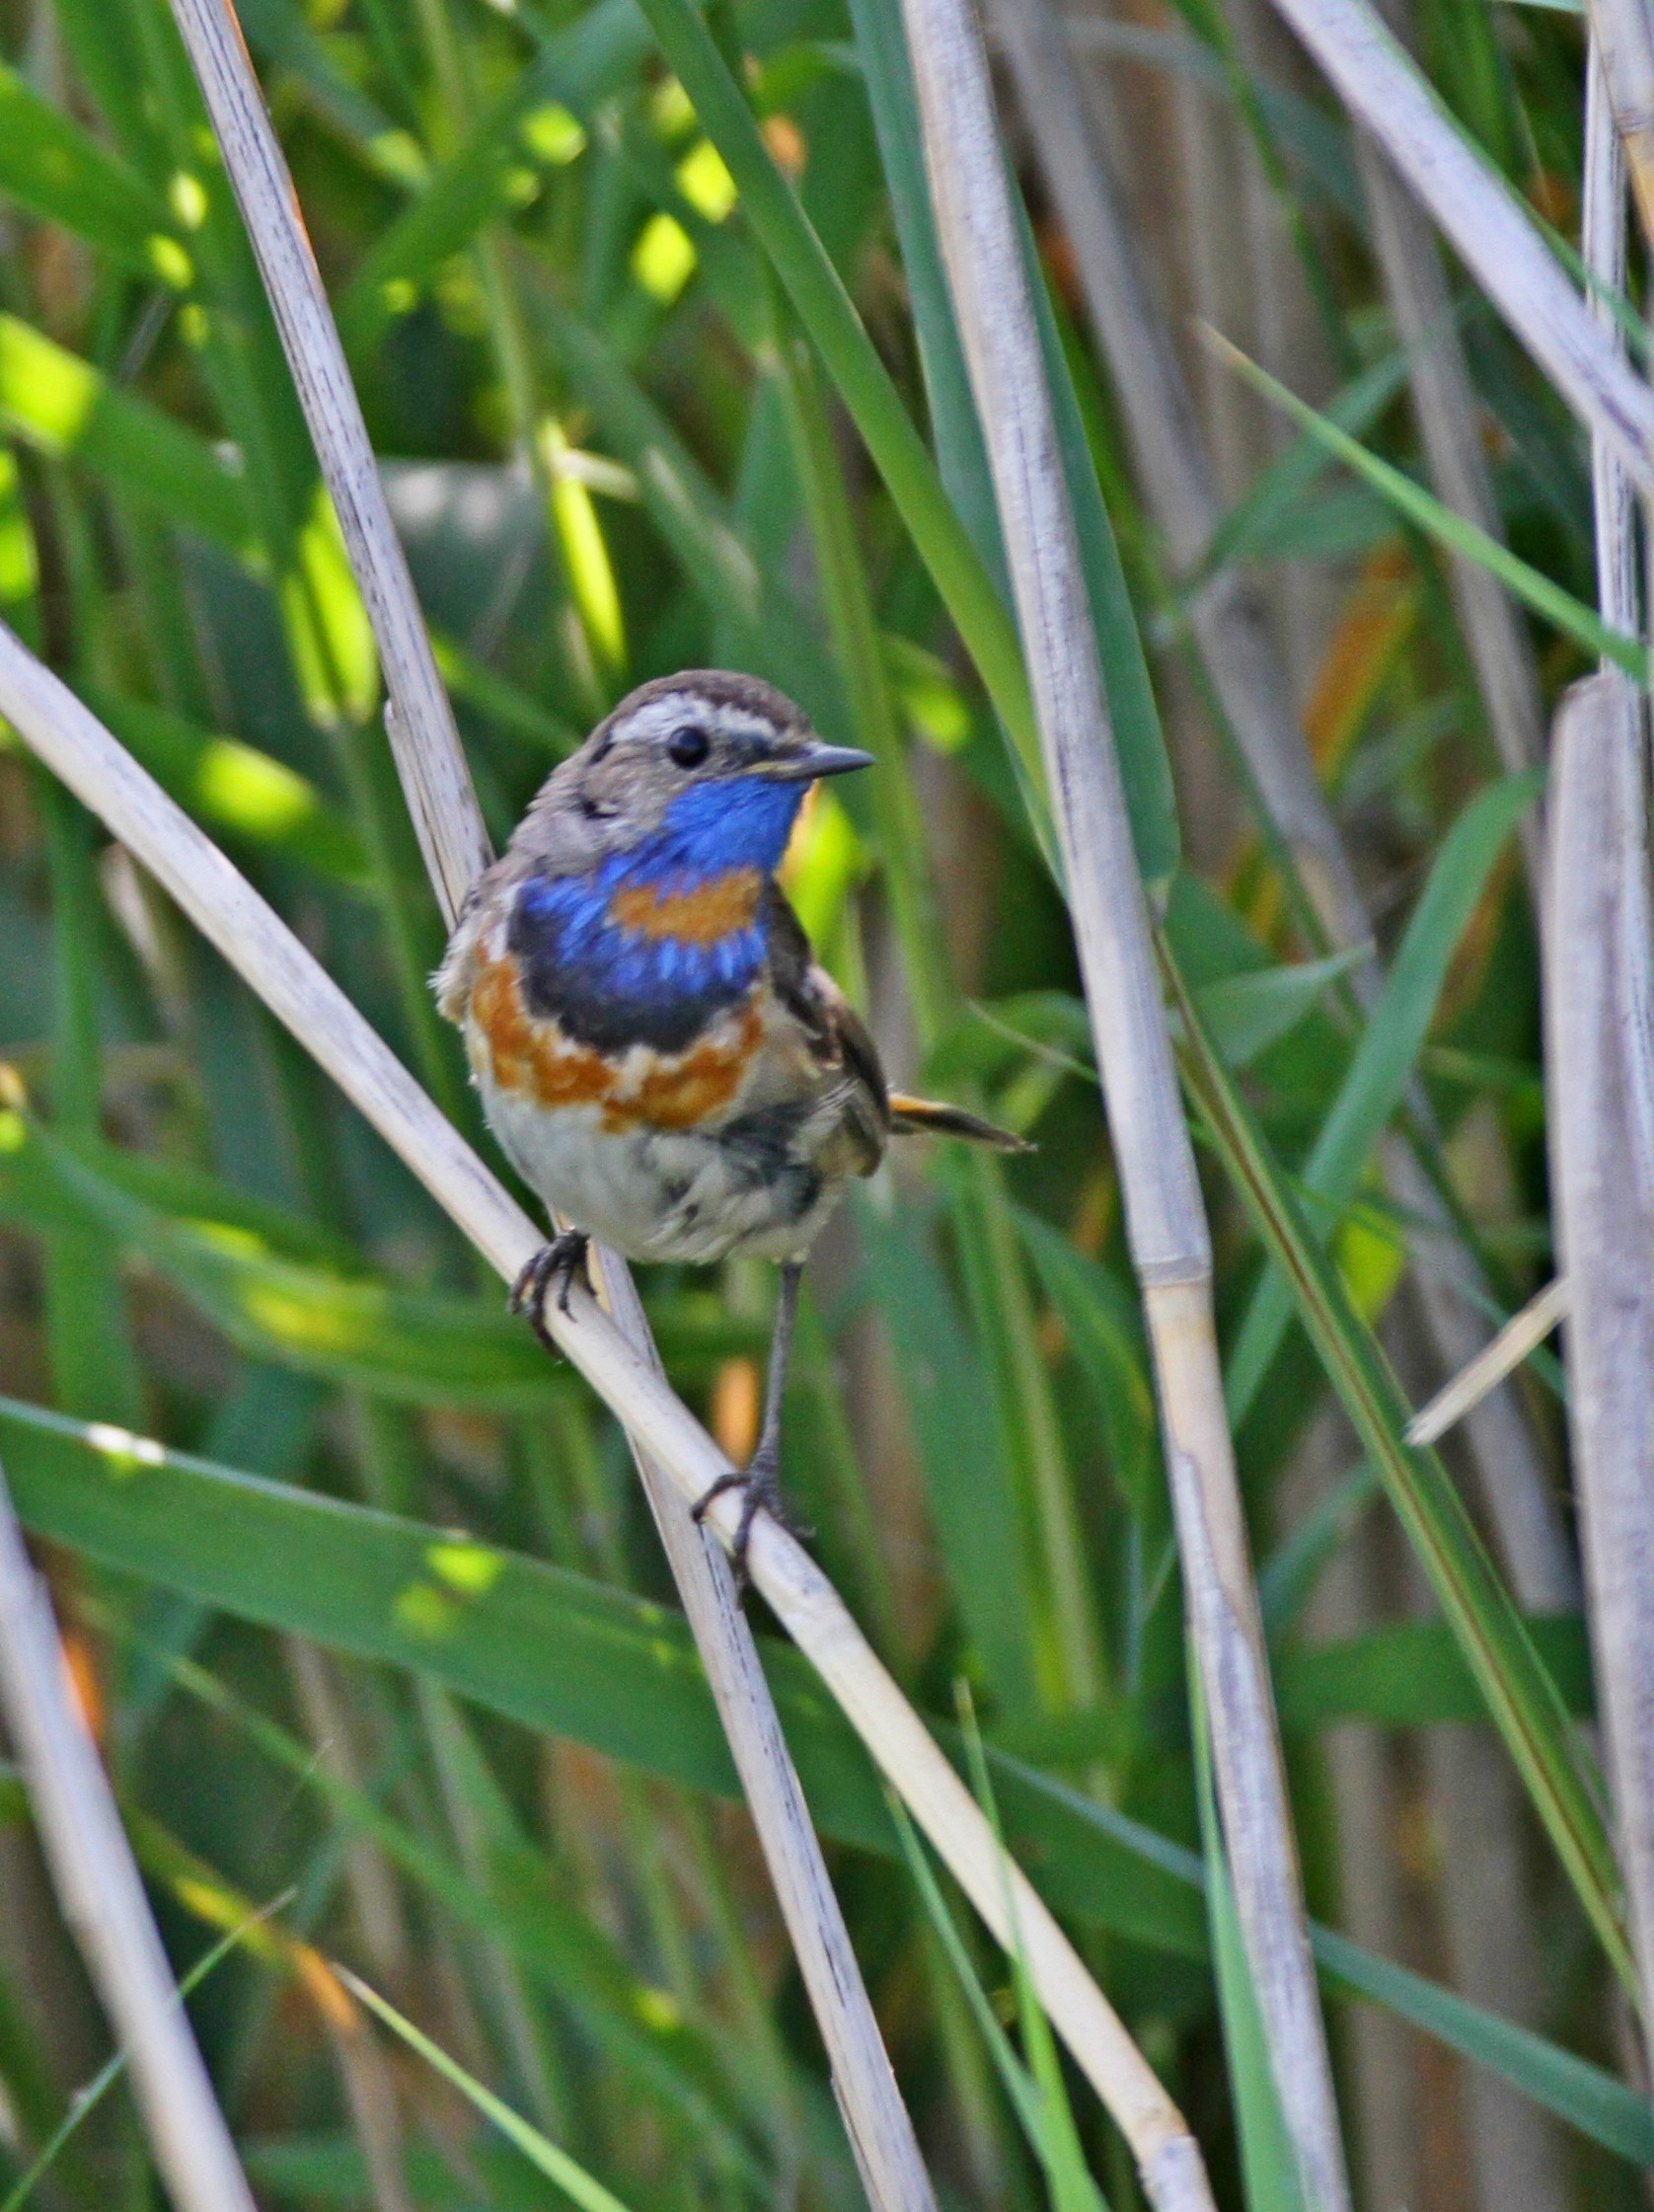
825,309
1423,508
1065,1631
1599,2106
52,399
1263,509
105,58
523,1909
94,1367
574,2181
908,871
53,168
1267,2166
536,1644
86,2101
1579,2093
973,1506
511,710
1013,2074
1072,2187
1289,1576
1057,2141
763,627
1387,1054
1520,1695
558,1654
961,455
1105,1338
578,68
277,34
20,556
1247,1014
1411,1674
243,794
261,1278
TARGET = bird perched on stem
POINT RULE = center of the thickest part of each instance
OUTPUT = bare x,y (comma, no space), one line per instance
657,1051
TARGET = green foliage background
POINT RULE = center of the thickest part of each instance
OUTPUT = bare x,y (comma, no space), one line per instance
648,321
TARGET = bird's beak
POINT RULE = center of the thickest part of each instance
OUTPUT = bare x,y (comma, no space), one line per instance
816,760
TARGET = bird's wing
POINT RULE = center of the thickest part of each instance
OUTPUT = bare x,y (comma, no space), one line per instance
935,1118
834,1035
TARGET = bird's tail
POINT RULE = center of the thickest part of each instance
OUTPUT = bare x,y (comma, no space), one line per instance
928,1117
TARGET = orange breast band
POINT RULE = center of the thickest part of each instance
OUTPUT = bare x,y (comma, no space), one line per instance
711,910
676,1091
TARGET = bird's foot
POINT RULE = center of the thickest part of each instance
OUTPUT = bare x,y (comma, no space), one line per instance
555,1263
759,1484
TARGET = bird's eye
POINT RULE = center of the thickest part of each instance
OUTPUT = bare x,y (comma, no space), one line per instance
688,747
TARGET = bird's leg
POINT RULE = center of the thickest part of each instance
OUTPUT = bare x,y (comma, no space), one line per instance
760,1481
558,1263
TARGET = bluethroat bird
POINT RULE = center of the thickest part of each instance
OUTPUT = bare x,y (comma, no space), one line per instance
657,1051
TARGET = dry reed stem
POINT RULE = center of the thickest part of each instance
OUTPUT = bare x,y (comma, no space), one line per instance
1521,1334
1232,628
429,761
1170,457
102,1894
1600,1074
375,1900
258,945
370,2094
442,801
1488,227
1165,1223
1450,425
1471,1789
376,1906
1622,48
1603,244
1516,1488
1599,990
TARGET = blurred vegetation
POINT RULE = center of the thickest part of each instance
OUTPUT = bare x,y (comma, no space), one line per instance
383,1630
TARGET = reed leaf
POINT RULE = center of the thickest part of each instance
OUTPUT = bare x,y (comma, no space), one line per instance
1522,1696
1459,535
1384,1061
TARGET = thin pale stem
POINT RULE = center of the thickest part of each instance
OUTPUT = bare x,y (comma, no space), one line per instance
1449,423
1165,1223
1254,696
1501,1356
1622,65
257,944
1485,223
102,1894
1599,988
434,773
453,841
1600,1080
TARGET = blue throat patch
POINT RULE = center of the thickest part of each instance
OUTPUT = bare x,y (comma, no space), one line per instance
610,988
738,821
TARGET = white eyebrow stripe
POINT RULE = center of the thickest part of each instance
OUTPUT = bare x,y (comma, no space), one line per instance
660,716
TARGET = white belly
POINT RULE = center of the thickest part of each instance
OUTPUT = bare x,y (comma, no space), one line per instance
656,1193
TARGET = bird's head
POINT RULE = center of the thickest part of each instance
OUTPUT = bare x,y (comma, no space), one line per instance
705,770
641,870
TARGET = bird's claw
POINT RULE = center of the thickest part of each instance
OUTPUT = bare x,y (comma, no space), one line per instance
558,1263
759,1484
